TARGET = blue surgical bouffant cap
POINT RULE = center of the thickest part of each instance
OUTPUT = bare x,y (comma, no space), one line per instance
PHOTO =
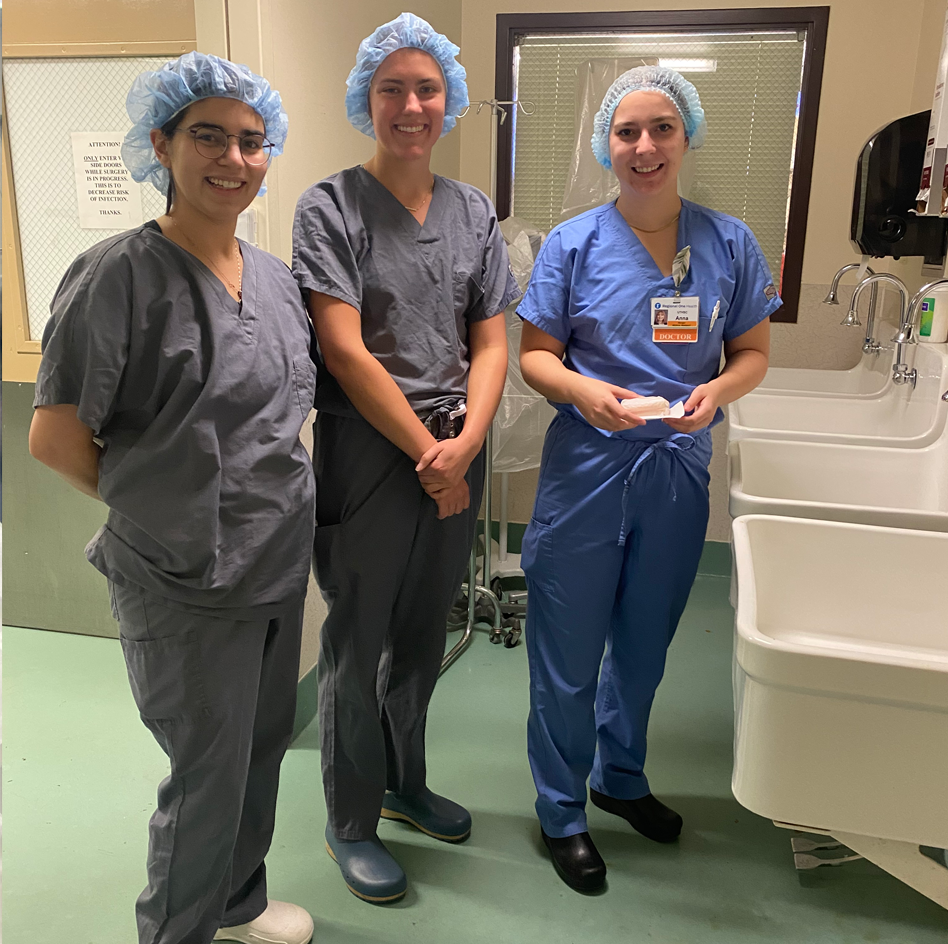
156,97
405,32
674,86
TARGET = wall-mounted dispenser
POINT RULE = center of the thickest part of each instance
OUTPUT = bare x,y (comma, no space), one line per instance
887,174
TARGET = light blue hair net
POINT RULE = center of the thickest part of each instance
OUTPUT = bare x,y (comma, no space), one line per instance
411,32
674,86
156,97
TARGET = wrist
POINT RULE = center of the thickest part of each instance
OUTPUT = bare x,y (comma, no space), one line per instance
576,388
422,444
470,442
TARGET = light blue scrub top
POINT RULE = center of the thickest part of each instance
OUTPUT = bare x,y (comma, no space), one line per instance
592,286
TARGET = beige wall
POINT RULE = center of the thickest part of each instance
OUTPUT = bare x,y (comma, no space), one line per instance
880,64
50,25
306,50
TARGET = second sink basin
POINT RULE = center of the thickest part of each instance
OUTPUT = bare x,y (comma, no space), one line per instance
902,488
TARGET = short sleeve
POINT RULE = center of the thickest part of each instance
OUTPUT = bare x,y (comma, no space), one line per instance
500,286
324,259
546,303
755,295
85,344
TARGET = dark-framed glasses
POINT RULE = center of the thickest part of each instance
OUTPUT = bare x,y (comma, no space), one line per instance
212,143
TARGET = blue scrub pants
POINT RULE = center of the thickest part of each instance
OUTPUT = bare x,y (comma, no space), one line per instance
610,556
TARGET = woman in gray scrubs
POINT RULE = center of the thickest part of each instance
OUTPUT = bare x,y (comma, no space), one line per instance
407,278
174,382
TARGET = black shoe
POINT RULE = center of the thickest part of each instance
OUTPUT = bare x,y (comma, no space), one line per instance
577,861
646,815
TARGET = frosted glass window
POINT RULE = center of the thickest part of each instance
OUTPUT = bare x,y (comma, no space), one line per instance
46,100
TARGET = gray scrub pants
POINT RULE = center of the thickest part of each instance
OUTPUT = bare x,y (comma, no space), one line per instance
389,571
219,695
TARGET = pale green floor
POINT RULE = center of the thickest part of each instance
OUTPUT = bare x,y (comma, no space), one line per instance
80,774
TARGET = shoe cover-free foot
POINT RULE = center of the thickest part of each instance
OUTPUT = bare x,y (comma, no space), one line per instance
646,815
281,923
577,861
434,815
368,868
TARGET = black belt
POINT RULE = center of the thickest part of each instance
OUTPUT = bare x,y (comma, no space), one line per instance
447,421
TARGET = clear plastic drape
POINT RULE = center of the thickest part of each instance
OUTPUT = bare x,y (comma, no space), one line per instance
523,415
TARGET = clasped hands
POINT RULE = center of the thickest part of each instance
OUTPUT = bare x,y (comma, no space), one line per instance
441,471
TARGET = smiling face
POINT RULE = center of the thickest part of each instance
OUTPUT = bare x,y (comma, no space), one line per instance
406,101
647,143
218,188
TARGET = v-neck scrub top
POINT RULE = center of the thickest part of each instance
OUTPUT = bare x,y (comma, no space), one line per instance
417,288
198,401
592,287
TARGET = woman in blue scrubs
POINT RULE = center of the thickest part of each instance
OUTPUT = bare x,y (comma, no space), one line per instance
634,298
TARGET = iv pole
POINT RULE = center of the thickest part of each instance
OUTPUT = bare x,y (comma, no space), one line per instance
499,114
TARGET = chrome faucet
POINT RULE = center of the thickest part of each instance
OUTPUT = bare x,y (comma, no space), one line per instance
898,368
906,334
870,345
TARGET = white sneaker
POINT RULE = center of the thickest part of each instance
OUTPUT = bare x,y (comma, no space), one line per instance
281,923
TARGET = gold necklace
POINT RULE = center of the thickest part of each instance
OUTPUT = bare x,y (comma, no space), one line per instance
423,202
405,205
639,229
240,268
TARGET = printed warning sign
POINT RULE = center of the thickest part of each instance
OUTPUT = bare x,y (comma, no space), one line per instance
108,198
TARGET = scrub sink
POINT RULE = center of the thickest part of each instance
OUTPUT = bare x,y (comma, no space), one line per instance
869,378
841,677
899,488
902,416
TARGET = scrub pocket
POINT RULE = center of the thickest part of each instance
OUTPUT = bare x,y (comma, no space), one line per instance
162,649
468,293
536,554
304,380
165,676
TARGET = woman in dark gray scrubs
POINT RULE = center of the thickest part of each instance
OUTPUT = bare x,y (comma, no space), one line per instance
174,382
407,278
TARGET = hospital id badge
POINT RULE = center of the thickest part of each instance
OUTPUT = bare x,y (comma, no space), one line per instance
675,320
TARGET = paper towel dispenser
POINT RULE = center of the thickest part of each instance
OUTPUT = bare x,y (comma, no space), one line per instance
887,175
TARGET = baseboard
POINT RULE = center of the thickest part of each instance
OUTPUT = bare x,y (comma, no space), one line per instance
715,562
307,702
715,559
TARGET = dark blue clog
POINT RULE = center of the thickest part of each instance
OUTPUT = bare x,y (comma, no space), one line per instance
434,815
368,869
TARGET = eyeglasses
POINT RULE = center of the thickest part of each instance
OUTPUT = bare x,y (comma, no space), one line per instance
212,143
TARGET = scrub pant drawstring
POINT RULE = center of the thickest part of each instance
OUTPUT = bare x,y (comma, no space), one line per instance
680,442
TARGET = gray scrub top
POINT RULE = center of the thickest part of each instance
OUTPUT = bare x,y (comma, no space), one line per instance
416,287
198,401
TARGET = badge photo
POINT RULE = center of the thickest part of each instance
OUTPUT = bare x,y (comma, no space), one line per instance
675,320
